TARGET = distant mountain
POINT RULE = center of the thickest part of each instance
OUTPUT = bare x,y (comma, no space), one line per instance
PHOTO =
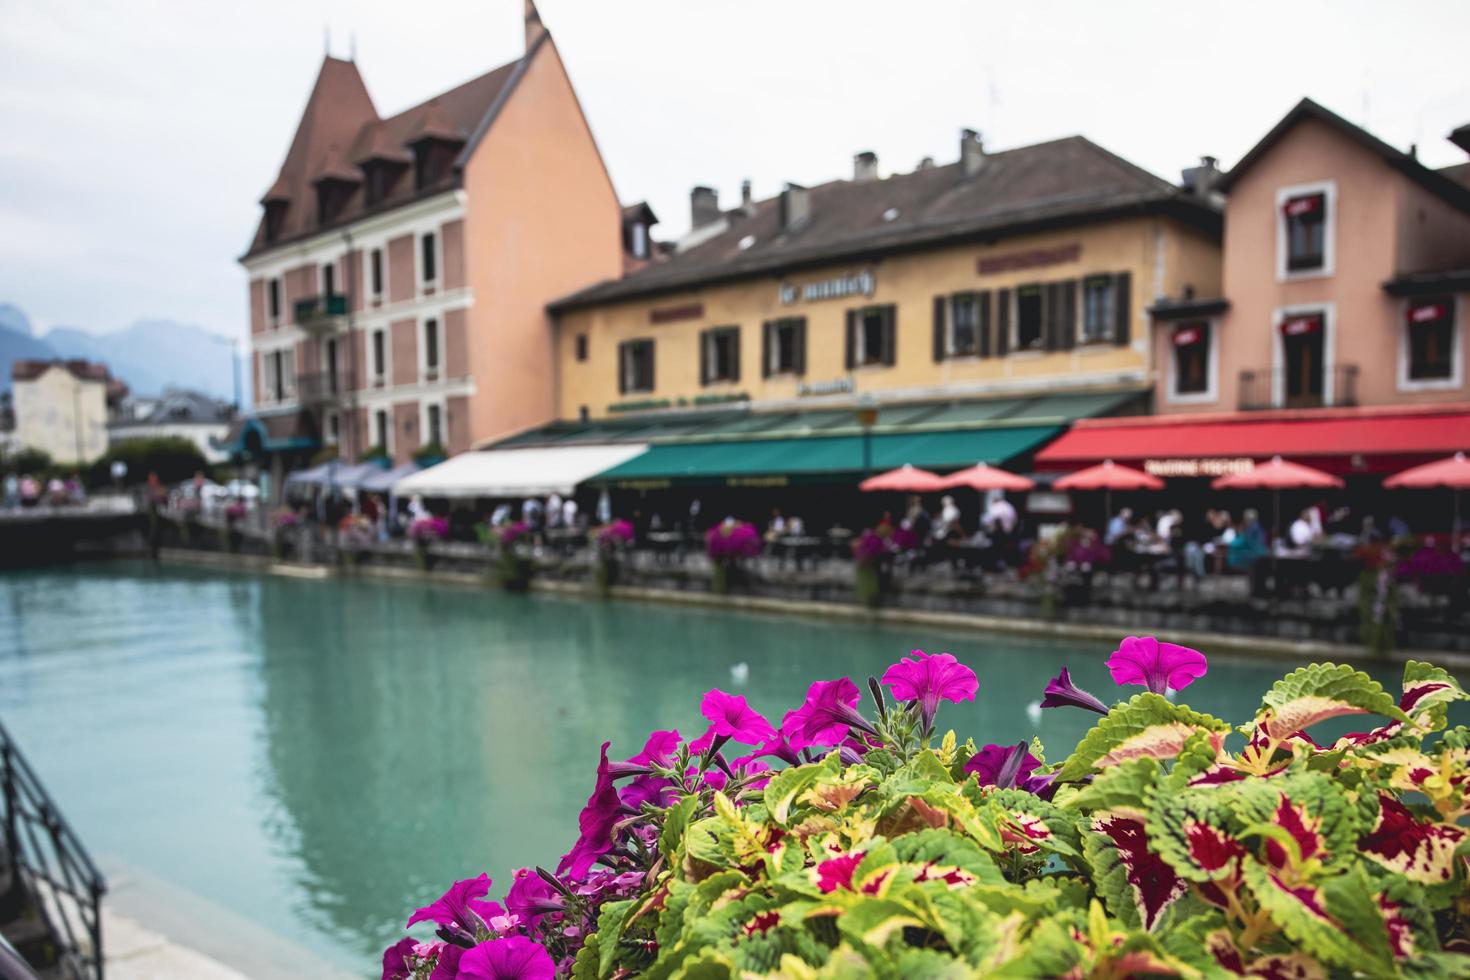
150,355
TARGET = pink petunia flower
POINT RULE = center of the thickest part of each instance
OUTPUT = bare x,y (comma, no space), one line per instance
1156,665
511,958
598,818
731,717
829,711
460,907
929,679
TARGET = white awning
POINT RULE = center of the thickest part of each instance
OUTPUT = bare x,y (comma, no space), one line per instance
516,472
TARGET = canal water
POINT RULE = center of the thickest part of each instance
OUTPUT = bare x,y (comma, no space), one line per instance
322,756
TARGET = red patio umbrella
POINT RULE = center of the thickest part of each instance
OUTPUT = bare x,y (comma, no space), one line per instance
1453,473
1109,476
1276,476
984,477
906,479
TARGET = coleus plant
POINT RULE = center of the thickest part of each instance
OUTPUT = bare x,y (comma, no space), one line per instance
849,843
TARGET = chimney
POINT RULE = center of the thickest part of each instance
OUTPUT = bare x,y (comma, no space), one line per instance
1200,181
972,152
534,27
796,206
927,163
747,202
704,207
865,166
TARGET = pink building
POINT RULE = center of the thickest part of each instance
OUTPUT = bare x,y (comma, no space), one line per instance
1346,264
400,271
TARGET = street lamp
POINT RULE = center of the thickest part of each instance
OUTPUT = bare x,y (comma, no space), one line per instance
867,417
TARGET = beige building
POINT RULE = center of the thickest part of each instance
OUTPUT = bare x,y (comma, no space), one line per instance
61,408
1017,272
399,274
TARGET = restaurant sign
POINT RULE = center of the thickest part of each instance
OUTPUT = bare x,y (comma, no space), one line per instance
673,314
837,386
1206,466
1032,259
837,287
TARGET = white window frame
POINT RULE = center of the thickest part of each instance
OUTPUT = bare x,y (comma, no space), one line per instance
424,405
1328,190
951,351
860,342
274,319
625,365
423,346
774,369
1329,351
1110,320
367,272
330,416
385,431
1457,356
1211,393
707,352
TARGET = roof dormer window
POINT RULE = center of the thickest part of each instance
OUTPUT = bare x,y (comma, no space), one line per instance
275,219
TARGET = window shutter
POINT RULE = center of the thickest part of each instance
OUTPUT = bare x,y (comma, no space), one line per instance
623,368
851,339
767,329
1002,323
704,356
651,385
1068,336
939,328
798,358
1123,292
1051,316
890,334
982,320
735,354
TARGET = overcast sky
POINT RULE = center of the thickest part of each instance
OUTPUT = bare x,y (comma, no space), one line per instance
136,136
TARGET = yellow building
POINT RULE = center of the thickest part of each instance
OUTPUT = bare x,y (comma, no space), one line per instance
1022,272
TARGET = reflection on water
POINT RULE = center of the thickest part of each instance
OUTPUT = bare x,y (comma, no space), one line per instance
322,756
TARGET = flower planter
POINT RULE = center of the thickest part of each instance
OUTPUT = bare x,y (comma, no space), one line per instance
513,570
871,582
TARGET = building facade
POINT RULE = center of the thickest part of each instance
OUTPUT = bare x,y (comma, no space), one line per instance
176,414
61,408
1344,274
1019,272
398,277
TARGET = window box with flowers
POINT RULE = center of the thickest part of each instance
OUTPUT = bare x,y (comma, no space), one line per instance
729,545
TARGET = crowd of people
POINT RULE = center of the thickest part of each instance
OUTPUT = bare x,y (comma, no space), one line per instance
22,490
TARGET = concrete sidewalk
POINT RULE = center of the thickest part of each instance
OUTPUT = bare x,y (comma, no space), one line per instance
135,952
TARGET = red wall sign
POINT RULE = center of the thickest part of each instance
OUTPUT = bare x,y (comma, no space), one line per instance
1029,260
1297,326
1427,312
1188,336
1298,206
670,314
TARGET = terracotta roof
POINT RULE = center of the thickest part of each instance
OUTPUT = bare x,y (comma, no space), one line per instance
1063,182
83,370
341,129
1436,182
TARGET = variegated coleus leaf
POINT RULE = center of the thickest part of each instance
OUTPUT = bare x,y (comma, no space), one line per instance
1442,774
1320,691
1144,726
1421,850
1428,692
1036,823
1136,883
1300,911
1197,833
1303,817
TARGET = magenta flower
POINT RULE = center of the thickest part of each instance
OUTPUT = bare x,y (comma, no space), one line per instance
460,908
446,965
395,965
1009,767
1157,666
511,958
657,751
531,897
1061,692
929,679
698,746
777,747
829,711
598,818
649,789
731,717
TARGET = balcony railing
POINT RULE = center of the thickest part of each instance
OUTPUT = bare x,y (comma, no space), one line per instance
1336,387
322,387
320,313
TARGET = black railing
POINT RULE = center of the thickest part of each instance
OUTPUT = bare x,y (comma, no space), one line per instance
50,891
317,388
320,310
1337,386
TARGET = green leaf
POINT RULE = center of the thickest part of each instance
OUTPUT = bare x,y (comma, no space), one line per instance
1124,786
587,965
947,849
1301,914
1146,725
1428,692
676,821
1352,900
1195,832
1317,692
1308,804
609,932
783,789
875,920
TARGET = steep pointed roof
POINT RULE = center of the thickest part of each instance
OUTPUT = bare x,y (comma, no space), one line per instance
340,129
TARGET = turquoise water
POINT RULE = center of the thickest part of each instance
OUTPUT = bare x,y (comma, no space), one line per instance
323,756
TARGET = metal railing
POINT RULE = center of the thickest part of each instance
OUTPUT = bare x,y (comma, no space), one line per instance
1338,387
320,312
51,884
321,387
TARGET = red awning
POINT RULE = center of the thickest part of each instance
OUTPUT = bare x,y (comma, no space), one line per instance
1339,441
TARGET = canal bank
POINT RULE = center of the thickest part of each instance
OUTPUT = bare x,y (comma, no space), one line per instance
1262,646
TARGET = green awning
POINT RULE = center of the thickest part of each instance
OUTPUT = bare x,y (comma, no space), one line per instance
813,459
